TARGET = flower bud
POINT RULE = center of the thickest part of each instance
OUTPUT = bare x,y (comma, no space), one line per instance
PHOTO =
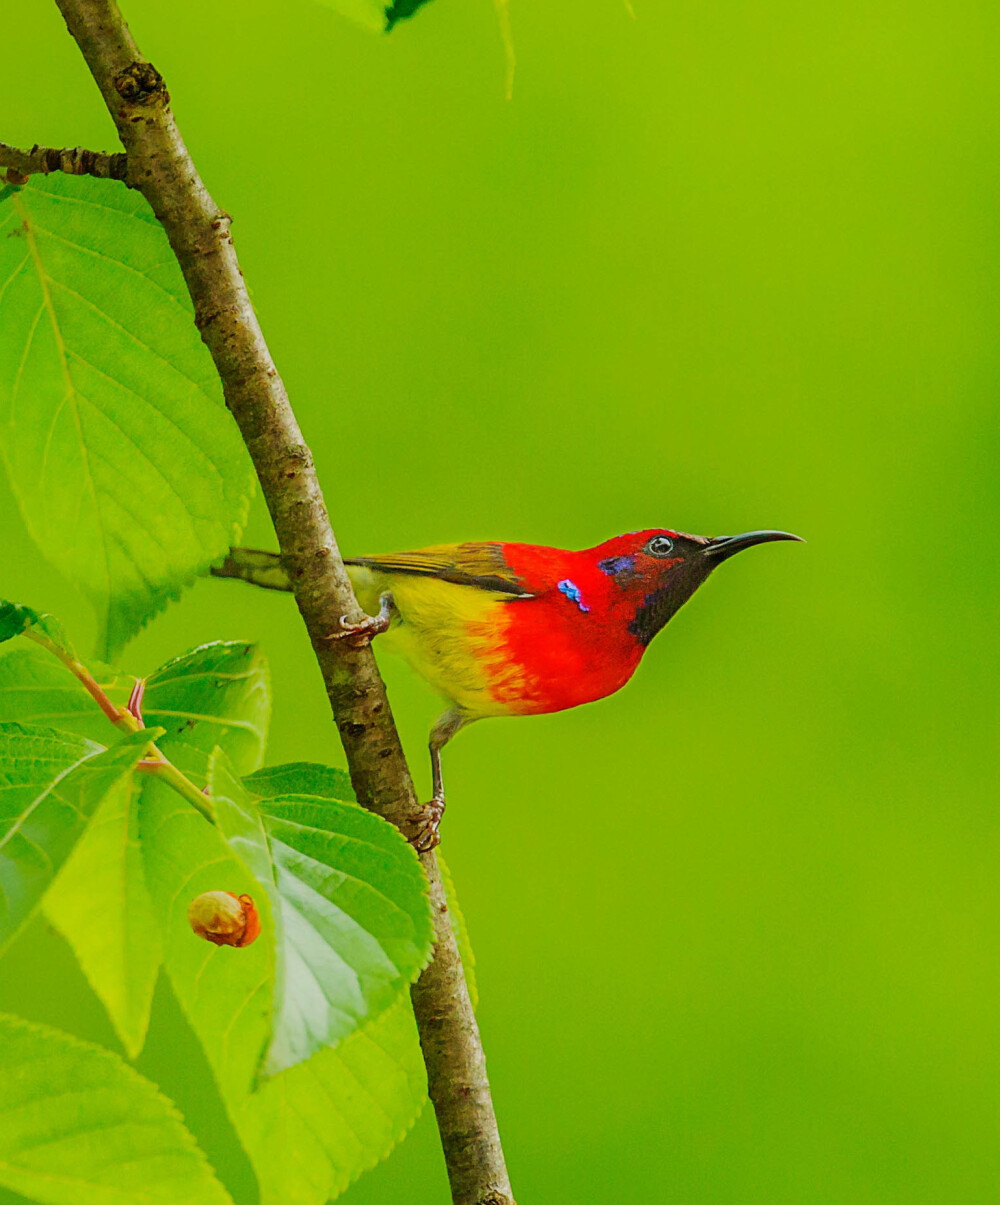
224,918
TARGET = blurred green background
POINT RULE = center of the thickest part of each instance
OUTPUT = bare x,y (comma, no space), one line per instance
715,267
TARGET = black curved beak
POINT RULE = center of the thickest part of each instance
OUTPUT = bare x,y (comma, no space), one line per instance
723,547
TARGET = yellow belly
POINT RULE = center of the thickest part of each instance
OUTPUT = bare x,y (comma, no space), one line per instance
451,635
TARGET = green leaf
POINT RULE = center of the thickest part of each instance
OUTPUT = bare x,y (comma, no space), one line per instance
300,778
128,469
50,786
100,904
310,778
226,992
349,898
218,693
311,1131
215,695
17,619
82,1128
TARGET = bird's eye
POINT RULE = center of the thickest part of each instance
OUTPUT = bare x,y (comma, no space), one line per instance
660,546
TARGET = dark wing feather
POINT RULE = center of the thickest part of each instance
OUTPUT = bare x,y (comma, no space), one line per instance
480,565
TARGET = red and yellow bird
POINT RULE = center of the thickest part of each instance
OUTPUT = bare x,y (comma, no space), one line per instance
518,629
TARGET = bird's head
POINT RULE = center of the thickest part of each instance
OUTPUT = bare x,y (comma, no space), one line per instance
657,571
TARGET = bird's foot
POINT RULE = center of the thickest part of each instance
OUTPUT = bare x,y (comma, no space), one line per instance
360,634
427,826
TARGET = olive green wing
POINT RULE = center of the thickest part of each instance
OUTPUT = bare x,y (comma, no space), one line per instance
474,564
255,566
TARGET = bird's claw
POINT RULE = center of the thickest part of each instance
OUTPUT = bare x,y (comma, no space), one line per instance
360,634
427,828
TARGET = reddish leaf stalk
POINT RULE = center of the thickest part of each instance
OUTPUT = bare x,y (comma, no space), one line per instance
118,716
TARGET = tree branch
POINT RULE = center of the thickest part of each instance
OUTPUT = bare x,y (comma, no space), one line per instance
160,167
77,161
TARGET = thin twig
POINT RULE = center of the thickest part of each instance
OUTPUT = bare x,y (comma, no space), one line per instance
160,167
76,161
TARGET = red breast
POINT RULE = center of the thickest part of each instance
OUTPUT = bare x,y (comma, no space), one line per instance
570,644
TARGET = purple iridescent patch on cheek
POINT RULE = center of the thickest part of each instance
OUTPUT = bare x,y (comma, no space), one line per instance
572,592
620,567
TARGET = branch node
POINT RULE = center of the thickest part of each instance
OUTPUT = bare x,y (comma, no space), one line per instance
140,83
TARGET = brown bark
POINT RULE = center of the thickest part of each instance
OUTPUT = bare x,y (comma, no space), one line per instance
160,167
76,161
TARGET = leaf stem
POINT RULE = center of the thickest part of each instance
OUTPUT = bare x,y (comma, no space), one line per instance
166,771
121,717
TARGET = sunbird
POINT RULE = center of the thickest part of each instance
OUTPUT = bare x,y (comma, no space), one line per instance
519,629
